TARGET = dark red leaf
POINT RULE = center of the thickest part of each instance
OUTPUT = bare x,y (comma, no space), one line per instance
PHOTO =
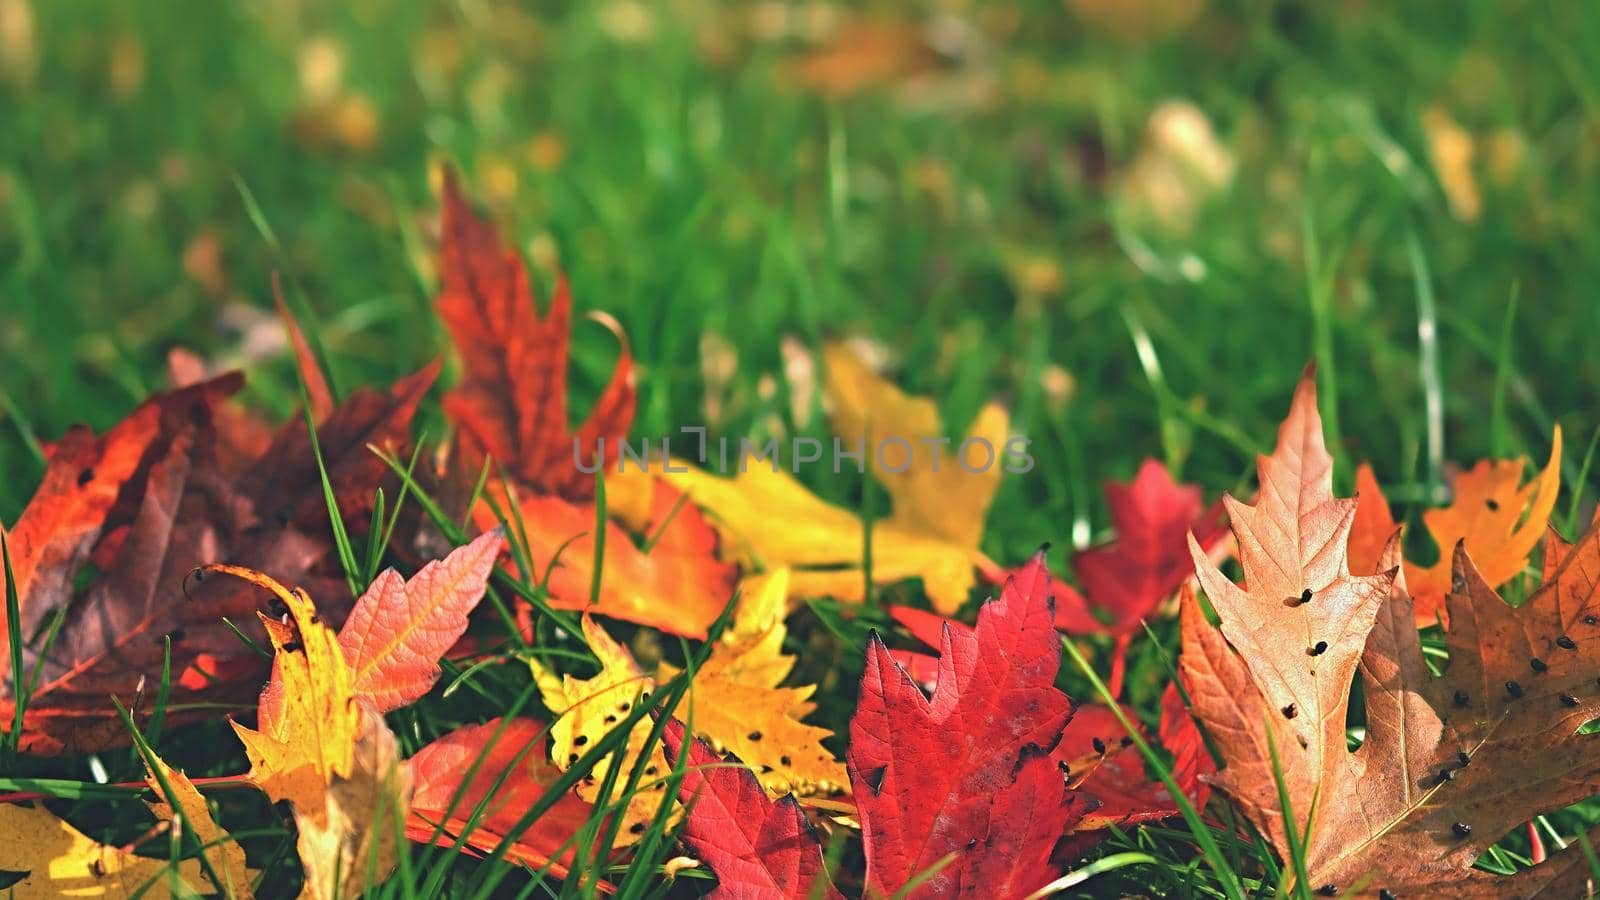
1126,579
174,510
511,403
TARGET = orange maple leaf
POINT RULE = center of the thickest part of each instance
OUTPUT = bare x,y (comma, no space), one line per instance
1494,514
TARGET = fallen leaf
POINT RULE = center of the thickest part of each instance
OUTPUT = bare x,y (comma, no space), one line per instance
1098,759
332,758
737,702
308,718
1374,525
58,860
937,486
1091,754
177,512
62,861
400,628
758,847
242,435
1123,581
512,775
769,520
86,482
993,801
677,586
225,856
511,403
1499,519
588,709
349,835
1443,771
1192,765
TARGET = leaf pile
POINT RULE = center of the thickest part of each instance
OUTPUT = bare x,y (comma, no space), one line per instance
666,733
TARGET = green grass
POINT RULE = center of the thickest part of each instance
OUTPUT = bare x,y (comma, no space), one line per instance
699,191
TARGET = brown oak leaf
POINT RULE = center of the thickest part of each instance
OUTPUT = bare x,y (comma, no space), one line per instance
1444,768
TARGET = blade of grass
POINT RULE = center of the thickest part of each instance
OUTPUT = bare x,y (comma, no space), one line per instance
1498,440
1428,360
1098,867
13,739
1297,854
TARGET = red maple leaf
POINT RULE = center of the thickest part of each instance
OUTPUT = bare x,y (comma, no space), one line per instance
1112,772
1092,752
757,847
511,403
967,774
1127,578
1191,761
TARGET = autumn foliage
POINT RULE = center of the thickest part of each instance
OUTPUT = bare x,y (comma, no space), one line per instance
680,715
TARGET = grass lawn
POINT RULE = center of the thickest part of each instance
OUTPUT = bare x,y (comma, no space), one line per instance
1131,223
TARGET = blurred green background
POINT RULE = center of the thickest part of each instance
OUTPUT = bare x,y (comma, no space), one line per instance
1133,221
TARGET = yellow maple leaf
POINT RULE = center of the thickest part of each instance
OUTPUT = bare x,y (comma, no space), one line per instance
737,704
223,854
589,708
936,487
735,701
62,861
350,832
940,490
333,759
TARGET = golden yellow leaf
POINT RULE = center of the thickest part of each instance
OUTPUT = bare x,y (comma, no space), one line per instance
737,704
735,700
222,852
768,520
589,708
932,489
333,759
306,730
62,861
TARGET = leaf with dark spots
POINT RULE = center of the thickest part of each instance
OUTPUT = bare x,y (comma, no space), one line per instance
1412,815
